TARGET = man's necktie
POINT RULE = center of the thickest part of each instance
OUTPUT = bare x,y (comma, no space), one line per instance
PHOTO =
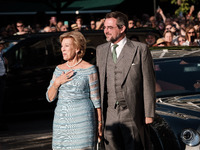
114,53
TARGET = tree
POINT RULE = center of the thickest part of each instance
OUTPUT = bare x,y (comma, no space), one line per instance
184,5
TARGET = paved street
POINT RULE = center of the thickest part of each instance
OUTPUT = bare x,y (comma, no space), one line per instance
27,133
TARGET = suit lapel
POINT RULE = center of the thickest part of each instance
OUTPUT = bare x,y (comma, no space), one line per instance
104,58
129,55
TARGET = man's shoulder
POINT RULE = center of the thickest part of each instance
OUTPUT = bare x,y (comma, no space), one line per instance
136,43
103,45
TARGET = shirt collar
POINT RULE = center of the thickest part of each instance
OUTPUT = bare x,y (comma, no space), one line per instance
121,43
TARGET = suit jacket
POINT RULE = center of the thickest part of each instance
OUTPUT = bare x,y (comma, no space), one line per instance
138,82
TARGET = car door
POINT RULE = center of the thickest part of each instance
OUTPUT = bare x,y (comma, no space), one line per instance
30,69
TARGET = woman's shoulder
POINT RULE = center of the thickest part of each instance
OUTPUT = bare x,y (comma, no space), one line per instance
89,68
86,65
62,66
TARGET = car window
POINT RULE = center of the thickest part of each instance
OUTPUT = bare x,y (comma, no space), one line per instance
177,76
37,54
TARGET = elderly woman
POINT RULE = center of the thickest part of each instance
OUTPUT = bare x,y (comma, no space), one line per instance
75,83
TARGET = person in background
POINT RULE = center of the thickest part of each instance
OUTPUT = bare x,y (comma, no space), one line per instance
160,42
182,28
28,29
20,28
99,24
127,83
53,29
138,23
53,21
153,21
63,28
160,12
77,118
74,27
180,40
130,24
92,25
79,23
47,29
198,16
59,25
150,39
161,27
168,37
191,37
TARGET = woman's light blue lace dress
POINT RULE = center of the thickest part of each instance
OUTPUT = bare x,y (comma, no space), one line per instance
74,125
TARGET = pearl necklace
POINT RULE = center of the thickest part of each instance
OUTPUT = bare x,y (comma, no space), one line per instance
74,64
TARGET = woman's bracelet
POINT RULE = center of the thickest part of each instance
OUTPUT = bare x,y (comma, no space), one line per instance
54,87
99,122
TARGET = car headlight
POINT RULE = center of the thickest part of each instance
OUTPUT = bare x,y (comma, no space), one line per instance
190,137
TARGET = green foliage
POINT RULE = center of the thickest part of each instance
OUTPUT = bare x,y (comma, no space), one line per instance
184,6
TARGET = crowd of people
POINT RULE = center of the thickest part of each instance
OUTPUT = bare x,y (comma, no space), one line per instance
175,31
124,101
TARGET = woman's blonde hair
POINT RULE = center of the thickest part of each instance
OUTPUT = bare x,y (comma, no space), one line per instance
79,41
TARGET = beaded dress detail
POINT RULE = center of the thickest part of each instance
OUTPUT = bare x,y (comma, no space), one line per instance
74,125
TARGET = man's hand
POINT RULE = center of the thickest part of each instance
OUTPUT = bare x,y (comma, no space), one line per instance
148,120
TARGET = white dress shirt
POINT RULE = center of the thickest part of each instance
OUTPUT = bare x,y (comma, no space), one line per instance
120,46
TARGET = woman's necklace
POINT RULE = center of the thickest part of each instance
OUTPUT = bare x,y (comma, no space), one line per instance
74,64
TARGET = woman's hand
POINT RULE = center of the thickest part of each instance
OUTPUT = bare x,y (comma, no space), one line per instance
63,78
99,131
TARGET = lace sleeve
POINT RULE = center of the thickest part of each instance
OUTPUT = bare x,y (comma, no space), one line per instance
94,89
51,82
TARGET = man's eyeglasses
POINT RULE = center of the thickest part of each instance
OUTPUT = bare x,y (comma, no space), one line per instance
109,27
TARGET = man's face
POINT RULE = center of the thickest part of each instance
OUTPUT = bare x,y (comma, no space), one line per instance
168,27
150,39
20,27
111,30
130,24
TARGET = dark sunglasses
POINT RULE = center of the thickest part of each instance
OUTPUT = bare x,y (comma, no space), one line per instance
181,41
20,26
191,32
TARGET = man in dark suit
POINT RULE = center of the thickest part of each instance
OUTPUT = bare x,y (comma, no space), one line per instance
127,83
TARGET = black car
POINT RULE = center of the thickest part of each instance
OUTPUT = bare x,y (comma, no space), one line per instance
32,59
177,122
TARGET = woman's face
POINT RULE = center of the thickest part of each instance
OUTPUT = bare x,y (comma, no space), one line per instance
191,32
168,37
181,40
68,49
